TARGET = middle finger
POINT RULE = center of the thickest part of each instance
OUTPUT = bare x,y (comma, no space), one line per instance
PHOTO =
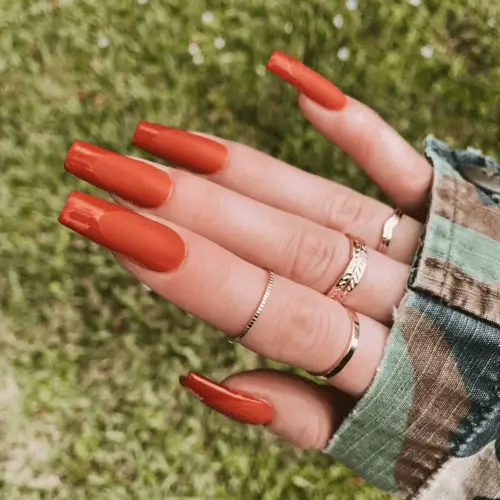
292,246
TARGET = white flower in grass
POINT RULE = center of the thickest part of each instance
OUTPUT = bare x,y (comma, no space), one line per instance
427,51
492,22
352,4
142,2
219,42
193,48
338,21
343,54
415,3
207,17
102,42
288,28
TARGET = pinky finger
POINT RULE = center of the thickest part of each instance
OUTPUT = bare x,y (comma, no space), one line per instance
299,411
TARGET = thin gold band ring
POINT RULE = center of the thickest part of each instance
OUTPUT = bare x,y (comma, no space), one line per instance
347,354
258,311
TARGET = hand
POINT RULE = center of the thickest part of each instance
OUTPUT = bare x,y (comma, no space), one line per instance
203,242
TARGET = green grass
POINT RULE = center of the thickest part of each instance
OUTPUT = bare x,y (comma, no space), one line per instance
90,407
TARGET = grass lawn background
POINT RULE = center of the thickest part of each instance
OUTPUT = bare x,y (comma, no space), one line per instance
90,407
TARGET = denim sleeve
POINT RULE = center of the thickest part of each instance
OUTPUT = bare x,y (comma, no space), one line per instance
429,425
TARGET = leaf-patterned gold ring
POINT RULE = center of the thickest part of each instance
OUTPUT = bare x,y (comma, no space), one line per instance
352,273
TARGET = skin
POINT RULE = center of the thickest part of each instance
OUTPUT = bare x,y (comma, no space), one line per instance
258,212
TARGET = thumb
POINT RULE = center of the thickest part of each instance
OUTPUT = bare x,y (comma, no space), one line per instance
301,412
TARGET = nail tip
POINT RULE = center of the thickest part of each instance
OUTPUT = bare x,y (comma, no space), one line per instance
274,61
79,154
74,202
68,161
64,214
184,379
254,411
144,133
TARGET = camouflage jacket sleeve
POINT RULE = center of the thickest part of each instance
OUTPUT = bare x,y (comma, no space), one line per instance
428,428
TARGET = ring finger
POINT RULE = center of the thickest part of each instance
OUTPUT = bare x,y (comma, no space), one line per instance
298,326
294,247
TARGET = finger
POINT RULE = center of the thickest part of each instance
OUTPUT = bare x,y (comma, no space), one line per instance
293,247
393,164
400,171
298,326
304,414
275,183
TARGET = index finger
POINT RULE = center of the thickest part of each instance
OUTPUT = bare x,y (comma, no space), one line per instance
390,161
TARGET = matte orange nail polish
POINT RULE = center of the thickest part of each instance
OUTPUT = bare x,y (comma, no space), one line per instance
181,148
133,180
121,230
307,81
236,405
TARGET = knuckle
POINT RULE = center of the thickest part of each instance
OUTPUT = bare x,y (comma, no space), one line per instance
344,210
418,187
304,330
311,433
314,252
369,145
203,209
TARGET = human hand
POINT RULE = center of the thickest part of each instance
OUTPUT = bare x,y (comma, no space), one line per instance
203,242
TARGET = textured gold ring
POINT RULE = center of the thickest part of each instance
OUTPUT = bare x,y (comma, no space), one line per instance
258,311
388,230
347,354
352,273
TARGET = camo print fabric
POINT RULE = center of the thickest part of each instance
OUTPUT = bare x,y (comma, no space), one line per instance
428,428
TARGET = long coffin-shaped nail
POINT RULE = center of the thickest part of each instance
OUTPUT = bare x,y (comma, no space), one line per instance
133,180
181,148
236,405
121,230
307,81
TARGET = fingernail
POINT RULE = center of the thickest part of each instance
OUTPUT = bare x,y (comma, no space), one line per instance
236,405
307,81
181,148
145,241
133,180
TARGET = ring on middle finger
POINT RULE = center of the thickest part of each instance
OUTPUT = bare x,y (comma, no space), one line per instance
353,272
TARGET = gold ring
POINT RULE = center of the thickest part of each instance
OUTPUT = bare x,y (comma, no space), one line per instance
258,311
352,273
388,230
347,354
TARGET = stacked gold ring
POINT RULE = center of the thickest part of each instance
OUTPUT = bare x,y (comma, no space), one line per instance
347,354
352,273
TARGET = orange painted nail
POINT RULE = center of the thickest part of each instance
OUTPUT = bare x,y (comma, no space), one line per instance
133,180
307,81
182,148
121,230
239,406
